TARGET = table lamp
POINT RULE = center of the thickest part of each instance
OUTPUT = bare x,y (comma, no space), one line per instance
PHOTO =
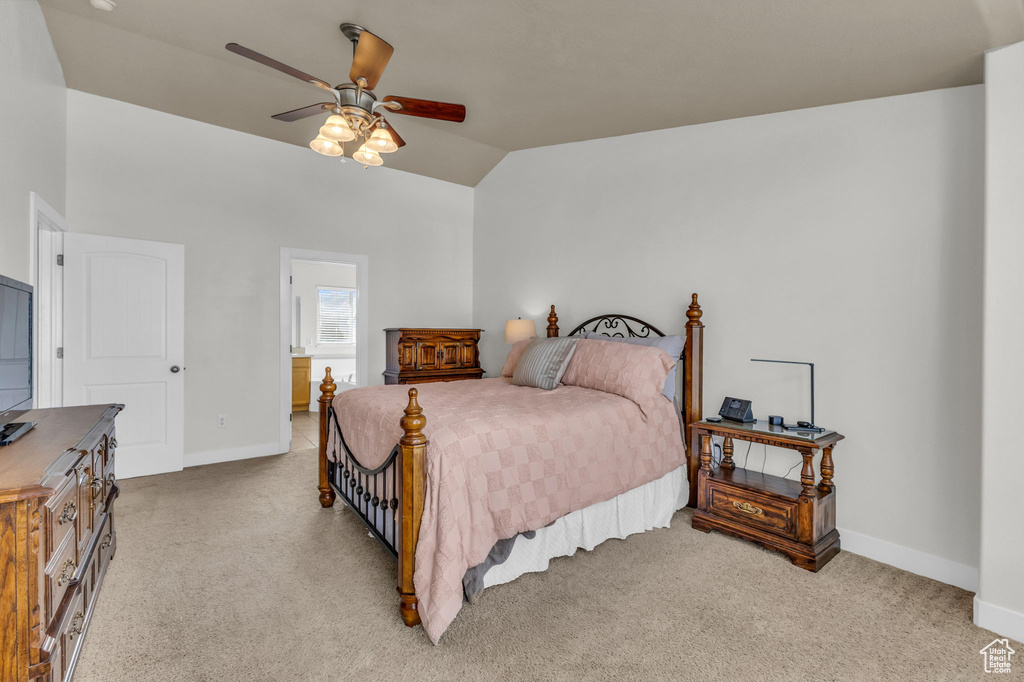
519,329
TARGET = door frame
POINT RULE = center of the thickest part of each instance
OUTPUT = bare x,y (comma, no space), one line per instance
46,241
361,263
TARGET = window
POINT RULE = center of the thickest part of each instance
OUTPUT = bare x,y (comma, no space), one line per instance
335,315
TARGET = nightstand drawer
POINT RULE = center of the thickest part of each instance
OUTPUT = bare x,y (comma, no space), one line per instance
751,509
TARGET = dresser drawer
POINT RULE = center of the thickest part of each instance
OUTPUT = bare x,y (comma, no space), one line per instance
751,509
71,632
60,571
87,500
61,514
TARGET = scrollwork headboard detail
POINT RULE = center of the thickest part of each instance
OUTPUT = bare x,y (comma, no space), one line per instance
609,325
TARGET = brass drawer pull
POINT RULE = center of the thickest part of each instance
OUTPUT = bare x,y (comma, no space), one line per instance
77,625
748,508
97,486
68,514
67,572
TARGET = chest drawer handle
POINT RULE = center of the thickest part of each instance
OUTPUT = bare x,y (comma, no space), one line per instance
68,514
748,508
77,624
113,443
106,542
67,572
97,486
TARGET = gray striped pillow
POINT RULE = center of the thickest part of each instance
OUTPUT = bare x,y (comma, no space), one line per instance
543,363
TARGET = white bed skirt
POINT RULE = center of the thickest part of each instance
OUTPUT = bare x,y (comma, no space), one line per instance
635,511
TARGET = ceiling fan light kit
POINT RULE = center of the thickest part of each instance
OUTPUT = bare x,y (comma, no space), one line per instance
354,112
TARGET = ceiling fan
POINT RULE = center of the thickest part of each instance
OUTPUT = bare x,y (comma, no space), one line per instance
354,108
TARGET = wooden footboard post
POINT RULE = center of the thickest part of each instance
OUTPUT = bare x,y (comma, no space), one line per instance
693,391
327,387
412,472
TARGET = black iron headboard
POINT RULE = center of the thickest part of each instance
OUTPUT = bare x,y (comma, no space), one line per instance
605,324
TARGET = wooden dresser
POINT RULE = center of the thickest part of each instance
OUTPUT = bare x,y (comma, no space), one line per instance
417,356
57,489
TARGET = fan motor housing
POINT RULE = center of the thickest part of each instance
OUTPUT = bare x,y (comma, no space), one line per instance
356,103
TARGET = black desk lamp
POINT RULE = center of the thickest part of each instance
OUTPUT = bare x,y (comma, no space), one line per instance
800,426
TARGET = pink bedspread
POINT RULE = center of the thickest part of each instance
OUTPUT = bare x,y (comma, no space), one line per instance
504,459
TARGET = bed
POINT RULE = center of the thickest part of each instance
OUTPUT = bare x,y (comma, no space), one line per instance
511,472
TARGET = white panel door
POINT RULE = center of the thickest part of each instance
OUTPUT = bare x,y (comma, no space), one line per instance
124,313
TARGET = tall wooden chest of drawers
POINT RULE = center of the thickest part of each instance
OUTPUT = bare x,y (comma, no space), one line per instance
57,489
416,356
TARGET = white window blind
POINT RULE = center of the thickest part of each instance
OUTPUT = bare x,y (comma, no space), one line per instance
335,315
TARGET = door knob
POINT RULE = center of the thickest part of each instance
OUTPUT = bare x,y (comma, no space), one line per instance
175,369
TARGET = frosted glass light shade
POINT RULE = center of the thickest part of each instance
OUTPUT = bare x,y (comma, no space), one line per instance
367,157
322,145
517,330
382,142
337,129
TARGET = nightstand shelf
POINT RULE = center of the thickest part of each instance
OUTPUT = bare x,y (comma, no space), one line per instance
796,518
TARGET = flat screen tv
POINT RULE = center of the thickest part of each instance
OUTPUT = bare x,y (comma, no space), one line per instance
15,349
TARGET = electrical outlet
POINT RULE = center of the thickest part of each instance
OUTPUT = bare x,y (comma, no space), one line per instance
222,421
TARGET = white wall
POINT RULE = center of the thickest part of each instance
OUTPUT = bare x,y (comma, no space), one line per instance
234,200
33,117
849,236
999,605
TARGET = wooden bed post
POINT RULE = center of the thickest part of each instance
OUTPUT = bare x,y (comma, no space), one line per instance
693,391
552,323
327,387
412,482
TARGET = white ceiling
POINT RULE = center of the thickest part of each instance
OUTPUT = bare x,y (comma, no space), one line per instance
530,72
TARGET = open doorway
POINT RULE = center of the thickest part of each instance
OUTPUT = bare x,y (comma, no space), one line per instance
323,324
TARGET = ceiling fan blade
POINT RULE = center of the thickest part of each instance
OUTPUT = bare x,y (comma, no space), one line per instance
394,134
372,55
304,112
424,108
274,64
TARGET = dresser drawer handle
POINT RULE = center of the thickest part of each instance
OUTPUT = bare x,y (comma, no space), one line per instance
113,442
97,486
77,624
106,542
68,514
67,572
748,508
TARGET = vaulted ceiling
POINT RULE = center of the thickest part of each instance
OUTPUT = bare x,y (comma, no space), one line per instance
531,72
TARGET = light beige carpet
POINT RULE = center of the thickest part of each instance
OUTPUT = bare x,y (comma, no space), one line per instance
234,572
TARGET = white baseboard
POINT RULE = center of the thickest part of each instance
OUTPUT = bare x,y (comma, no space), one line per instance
912,560
1003,622
194,459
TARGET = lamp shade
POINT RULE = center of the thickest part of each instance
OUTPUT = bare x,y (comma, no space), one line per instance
337,129
381,141
367,156
322,145
517,330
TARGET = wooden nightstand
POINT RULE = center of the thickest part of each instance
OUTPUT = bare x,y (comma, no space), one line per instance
795,518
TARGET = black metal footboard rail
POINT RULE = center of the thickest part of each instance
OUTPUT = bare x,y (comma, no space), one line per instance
371,493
